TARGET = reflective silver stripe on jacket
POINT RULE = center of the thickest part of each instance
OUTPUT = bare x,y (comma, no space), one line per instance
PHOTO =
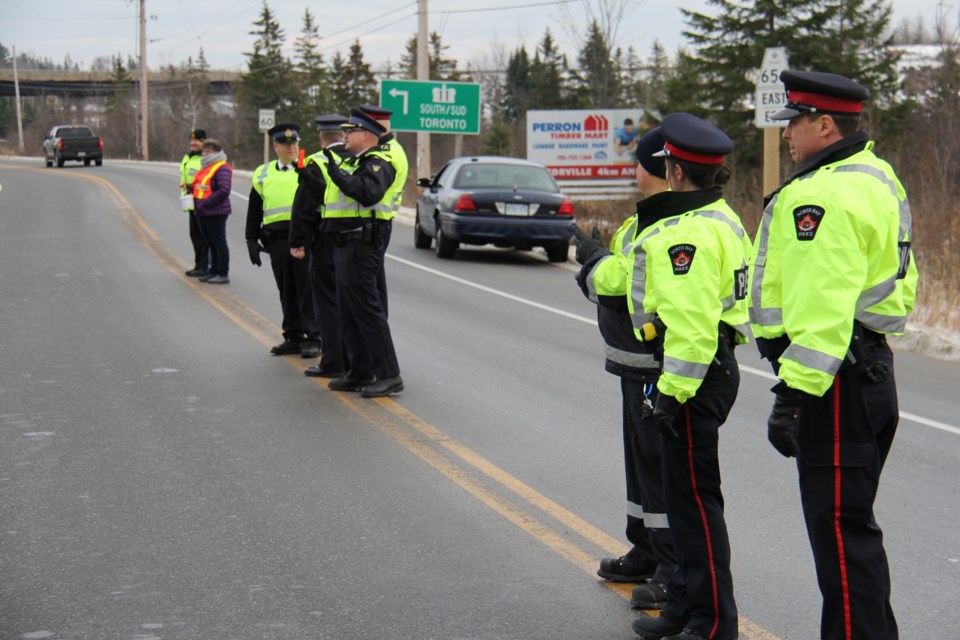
722,217
650,520
812,359
906,213
881,323
261,177
639,289
393,207
276,210
759,315
631,359
684,368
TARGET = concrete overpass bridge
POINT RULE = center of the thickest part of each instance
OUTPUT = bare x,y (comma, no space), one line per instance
78,84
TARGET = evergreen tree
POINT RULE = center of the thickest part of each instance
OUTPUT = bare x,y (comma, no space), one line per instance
266,85
441,68
516,90
547,87
352,82
718,72
120,113
313,95
598,75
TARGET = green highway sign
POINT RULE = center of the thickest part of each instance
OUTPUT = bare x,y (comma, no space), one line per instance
434,107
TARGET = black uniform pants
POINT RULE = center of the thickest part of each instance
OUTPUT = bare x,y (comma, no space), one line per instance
844,438
701,589
293,282
323,280
366,333
647,526
201,248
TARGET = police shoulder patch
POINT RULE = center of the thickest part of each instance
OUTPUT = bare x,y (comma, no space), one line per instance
681,257
807,220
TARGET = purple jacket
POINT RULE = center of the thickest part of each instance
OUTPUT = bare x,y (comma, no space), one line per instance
218,202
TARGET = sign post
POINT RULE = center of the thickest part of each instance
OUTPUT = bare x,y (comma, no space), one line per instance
434,107
770,98
267,120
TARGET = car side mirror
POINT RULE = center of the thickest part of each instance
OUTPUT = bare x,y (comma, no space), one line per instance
424,182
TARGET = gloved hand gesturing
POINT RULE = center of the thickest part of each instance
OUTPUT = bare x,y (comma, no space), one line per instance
254,248
587,246
784,420
664,414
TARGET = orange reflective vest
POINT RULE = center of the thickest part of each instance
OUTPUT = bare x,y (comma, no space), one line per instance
201,182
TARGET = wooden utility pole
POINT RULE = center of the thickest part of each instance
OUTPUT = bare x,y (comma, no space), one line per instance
16,91
144,137
423,74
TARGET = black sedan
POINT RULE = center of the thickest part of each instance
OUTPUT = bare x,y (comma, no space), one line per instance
505,202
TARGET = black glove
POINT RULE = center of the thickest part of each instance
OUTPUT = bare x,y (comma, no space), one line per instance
784,420
254,248
587,246
664,414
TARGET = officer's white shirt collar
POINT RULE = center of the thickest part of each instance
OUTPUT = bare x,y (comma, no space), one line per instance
284,167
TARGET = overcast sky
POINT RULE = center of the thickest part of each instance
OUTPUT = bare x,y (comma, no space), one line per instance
474,29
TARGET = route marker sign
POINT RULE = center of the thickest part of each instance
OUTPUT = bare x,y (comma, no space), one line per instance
434,106
770,95
267,119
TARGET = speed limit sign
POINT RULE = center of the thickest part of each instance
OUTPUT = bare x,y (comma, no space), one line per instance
267,117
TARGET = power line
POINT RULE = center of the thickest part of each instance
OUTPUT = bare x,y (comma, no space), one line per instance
507,8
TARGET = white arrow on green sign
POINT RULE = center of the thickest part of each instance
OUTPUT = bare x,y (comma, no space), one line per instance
434,107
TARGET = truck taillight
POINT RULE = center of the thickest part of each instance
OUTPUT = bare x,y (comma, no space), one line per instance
566,208
100,141
465,204
59,145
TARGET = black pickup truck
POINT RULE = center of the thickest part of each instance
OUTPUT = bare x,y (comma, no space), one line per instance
72,142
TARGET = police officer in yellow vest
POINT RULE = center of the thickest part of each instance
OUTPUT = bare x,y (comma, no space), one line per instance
374,182
832,276
650,562
307,231
684,281
268,220
189,166
389,141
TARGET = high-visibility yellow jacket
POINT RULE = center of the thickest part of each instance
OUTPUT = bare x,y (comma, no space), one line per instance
393,153
277,189
336,204
189,167
833,247
690,270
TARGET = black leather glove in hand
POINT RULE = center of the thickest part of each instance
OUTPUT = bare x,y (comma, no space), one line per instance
254,248
587,246
784,420
664,414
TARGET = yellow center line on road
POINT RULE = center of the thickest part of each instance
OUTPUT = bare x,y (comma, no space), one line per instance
420,437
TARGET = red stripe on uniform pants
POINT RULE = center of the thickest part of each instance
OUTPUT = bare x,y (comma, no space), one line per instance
706,526
844,584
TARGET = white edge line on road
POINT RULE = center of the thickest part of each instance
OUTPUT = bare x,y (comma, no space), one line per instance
757,372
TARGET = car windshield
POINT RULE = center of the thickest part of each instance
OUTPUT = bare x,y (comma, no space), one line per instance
504,176
75,132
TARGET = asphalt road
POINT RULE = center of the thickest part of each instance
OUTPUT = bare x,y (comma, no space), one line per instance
162,476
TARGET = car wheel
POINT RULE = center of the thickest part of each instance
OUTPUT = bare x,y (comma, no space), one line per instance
420,239
99,162
445,247
558,252
59,160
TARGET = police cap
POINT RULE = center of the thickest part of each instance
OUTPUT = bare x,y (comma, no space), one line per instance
330,121
650,143
285,133
375,112
819,92
689,138
198,134
359,119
